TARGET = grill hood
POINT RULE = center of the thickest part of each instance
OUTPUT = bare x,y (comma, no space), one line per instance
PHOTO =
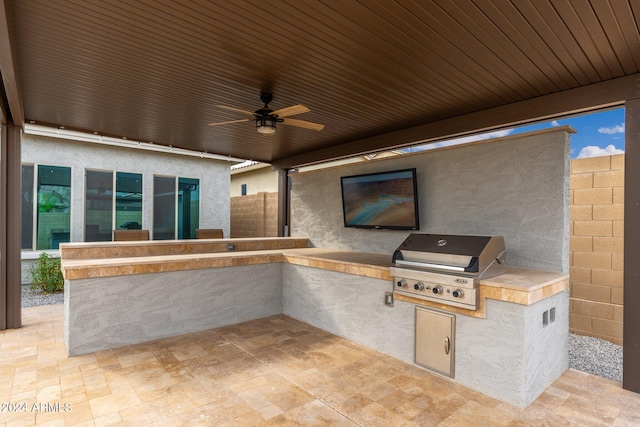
450,253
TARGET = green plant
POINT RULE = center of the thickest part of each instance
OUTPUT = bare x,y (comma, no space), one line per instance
46,274
47,201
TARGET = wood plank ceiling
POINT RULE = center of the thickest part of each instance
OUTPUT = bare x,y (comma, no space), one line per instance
155,70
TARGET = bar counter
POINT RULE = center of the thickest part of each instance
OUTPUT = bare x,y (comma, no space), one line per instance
516,285
511,348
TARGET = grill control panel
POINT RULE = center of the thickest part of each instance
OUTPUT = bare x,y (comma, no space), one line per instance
444,294
449,289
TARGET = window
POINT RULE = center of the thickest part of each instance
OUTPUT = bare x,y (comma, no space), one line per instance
188,207
129,200
164,208
176,208
26,190
100,199
98,206
243,189
54,206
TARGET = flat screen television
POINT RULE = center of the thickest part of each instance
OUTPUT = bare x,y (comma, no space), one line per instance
382,200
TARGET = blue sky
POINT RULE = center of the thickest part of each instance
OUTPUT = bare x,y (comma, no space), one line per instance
598,134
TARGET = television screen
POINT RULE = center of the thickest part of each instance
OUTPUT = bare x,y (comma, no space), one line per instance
381,200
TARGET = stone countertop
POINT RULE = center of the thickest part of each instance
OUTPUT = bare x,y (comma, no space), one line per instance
516,285
73,269
364,264
101,250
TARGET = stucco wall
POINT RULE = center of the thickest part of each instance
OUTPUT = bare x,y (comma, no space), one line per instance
213,175
260,180
514,186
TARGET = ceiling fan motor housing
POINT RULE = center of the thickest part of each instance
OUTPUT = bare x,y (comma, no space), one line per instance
266,97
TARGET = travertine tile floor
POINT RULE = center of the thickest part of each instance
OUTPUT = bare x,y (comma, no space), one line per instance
274,371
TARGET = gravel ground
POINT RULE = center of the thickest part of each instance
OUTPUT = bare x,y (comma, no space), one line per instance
587,354
595,356
32,298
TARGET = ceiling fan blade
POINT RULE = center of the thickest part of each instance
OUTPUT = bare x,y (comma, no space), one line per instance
227,122
290,111
237,110
303,124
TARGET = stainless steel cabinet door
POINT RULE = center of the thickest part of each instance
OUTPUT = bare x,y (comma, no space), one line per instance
435,340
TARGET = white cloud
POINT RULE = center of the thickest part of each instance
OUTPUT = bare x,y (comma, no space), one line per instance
613,129
594,151
555,123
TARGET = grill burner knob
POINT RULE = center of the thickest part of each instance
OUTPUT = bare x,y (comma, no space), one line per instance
437,289
458,293
418,286
402,283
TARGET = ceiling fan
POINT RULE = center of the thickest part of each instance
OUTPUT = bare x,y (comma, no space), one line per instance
266,118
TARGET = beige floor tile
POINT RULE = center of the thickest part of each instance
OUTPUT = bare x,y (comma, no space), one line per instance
268,372
111,403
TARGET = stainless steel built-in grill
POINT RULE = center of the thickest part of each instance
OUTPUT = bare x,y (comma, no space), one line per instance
446,268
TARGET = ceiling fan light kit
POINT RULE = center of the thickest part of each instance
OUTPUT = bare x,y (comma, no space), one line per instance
266,125
267,119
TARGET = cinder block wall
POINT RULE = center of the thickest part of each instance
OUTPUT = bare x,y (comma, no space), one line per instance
255,215
596,248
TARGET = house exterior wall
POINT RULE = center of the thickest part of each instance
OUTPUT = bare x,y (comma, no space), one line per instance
80,156
597,247
516,186
260,180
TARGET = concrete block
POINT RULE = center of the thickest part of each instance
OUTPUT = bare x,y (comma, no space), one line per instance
612,278
613,212
581,244
591,164
593,228
618,228
593,196
608,328
591,292
581,212
618,195
581,180
592,260
593,309
580,275
608,179
580,322
617,262
618,313
617,162
617,296
613,245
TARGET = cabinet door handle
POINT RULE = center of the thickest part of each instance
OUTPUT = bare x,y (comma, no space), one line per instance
447,345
